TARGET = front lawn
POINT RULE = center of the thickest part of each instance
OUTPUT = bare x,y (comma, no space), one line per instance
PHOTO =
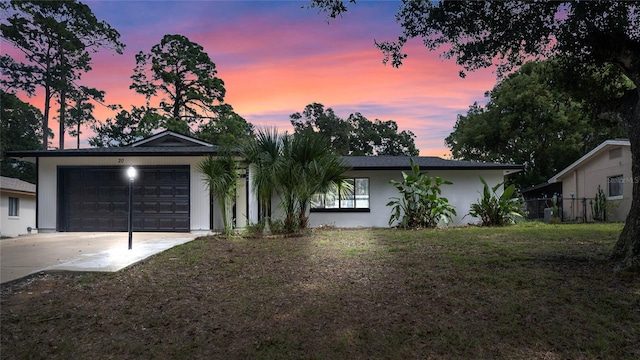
524,292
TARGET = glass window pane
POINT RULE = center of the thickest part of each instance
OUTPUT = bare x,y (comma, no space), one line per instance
13,206
347,199
362,193
331,198
615,185
317,201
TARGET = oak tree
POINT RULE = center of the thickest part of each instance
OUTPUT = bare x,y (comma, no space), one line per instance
226,128
356,135
530,120
20,129
126,127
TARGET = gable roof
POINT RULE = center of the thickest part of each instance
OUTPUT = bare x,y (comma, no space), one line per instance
170,139
425,163
17,185
605,146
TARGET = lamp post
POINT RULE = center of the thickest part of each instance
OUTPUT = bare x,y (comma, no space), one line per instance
131,173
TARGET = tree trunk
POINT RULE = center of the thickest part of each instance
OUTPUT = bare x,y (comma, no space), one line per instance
63,102
45,118
627,250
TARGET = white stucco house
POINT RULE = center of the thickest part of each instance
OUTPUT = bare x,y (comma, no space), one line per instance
607,166
371,175
17,207
87,189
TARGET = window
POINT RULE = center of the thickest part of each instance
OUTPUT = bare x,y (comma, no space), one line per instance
615,153
14,206
615,185
352,196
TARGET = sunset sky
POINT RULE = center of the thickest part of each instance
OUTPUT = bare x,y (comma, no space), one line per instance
276,57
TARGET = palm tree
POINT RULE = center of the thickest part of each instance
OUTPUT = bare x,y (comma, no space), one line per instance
294,166
288,177
263,154
221,177
317,169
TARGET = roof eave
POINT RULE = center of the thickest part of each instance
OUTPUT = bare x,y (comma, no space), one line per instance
596,151
515,168
30,156
20,192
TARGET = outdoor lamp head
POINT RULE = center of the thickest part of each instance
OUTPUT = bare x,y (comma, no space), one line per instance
131,172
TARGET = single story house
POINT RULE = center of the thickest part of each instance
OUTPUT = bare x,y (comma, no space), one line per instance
608,166
371,175
87,189
17,206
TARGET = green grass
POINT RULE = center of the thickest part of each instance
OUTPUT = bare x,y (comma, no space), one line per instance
531,291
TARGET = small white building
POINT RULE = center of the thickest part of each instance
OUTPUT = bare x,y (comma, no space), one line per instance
87,189
17,207
608,166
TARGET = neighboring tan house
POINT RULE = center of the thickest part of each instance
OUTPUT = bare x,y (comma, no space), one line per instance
18,206
607,166
87,189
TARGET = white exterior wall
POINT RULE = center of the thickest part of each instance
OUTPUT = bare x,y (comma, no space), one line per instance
242,216
465,190
17,225
48,185
252,201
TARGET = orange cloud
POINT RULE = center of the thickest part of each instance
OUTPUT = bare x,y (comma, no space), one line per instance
276,59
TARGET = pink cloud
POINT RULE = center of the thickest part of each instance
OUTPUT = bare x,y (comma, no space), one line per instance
277,59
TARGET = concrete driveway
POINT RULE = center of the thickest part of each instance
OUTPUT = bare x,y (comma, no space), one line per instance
107,252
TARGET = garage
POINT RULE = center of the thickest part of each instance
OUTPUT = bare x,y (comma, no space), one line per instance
96,199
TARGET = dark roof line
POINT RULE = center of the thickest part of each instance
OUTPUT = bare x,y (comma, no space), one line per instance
354,162
118,151
425,163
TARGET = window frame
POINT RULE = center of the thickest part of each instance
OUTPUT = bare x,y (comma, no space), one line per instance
340,200
14,207
616,184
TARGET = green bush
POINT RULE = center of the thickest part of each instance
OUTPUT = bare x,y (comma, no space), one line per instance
256,230
495,209
599,206
421,204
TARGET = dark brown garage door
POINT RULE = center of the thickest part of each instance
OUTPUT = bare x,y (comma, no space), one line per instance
97,199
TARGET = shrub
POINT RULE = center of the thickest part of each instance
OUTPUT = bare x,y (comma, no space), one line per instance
421,204
599,206
495,209
256,230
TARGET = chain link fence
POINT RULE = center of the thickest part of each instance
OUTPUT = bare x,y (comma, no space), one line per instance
568,209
